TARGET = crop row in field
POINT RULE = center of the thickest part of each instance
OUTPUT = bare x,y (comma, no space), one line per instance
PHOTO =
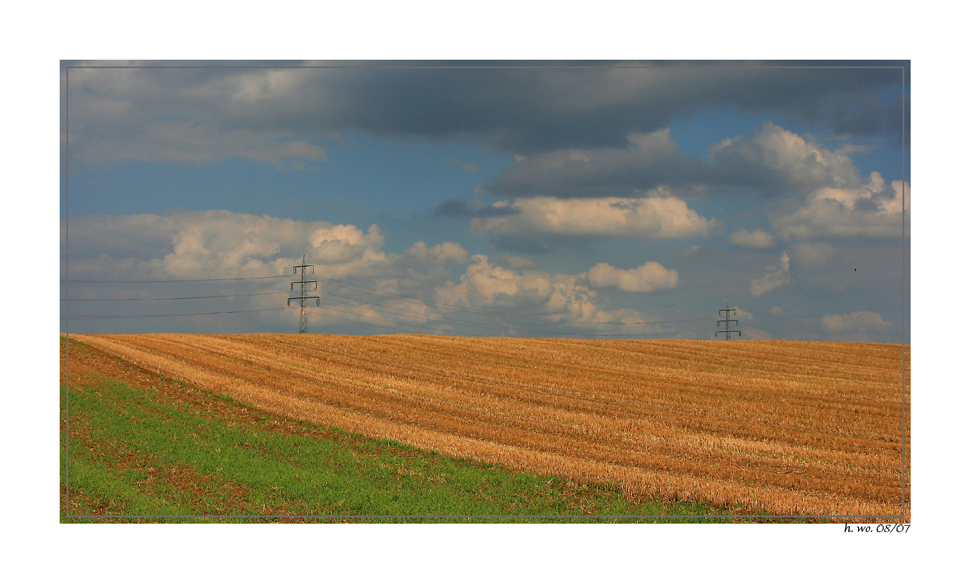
805,428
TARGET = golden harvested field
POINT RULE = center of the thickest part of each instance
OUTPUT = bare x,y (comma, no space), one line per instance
808,428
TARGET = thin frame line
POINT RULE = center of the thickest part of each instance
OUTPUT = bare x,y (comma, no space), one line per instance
903,215
600,66
902,69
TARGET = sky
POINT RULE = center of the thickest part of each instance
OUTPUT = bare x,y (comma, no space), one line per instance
572,199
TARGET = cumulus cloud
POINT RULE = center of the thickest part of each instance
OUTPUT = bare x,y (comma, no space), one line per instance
247,261
757,239
776,276
213,244
222,244
557,298
493,285
648,277
874,209
656,217
344,243
776,161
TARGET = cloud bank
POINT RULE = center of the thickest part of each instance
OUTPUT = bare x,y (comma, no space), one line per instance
250,258
874,209
656,217
169,114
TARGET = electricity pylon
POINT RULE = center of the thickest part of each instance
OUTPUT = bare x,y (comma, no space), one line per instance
303,289
727,323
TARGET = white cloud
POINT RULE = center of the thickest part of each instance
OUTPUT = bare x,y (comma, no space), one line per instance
492,285
557,298
648,277
757,239
647,218
215,244
872,210
345,243
776,277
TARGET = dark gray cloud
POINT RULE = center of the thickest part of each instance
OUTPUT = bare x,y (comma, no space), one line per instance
454,208
645,162
536,110
772,162
524,110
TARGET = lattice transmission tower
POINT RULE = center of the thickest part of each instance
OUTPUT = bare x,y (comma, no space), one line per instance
303,289
727,323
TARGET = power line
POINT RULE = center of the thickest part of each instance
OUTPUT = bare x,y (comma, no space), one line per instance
491,327
379,292
436,319
173,298
120,316
504,315
787,334
106,256
169,280
379,295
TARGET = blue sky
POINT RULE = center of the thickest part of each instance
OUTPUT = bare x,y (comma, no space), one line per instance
615,199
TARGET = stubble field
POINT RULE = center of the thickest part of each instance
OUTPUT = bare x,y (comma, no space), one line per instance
797,428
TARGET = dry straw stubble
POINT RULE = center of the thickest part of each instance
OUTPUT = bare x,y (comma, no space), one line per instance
809,428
